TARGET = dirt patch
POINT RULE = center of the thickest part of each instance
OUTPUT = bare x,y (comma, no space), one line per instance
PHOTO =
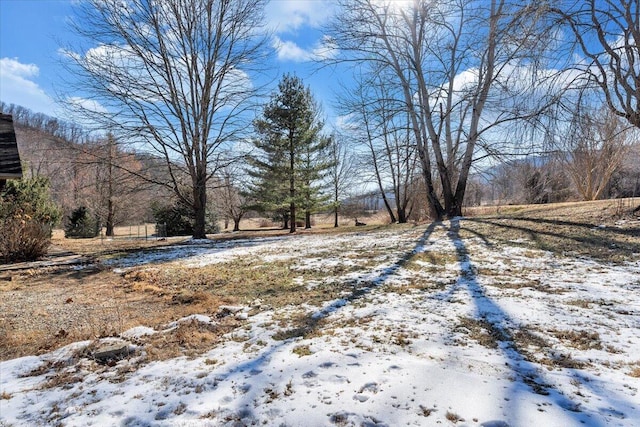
43,311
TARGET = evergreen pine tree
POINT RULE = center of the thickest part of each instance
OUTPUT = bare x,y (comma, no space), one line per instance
288,165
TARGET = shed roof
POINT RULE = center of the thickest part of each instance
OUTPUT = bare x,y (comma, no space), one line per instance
9,157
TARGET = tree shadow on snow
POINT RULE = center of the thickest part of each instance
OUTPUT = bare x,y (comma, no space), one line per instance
496,322
311,323
563,236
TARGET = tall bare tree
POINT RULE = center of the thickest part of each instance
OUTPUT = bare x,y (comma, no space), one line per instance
172,74
607,33
381,124
342,173
364,123
465,69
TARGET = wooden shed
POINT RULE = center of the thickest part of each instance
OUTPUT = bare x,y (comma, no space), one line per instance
10,167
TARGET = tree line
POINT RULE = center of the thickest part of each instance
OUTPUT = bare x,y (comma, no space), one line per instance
439,91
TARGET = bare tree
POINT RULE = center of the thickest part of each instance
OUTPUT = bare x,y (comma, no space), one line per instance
381,124
464,70
596,144
342,173
173,74
118,194
607,33
228,196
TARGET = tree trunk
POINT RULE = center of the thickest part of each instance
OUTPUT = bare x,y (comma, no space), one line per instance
402,216
307,219
111,156
335,217
109,224
236,224
199,225
292,185
292,215
200,208
387,205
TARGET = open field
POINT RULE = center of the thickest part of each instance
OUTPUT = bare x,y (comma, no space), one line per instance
511,317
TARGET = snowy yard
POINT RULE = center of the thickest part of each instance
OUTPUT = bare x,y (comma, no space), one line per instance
432,325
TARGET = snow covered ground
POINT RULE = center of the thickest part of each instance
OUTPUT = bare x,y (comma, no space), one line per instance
436,330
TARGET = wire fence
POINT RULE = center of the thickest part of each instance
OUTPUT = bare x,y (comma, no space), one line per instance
145,231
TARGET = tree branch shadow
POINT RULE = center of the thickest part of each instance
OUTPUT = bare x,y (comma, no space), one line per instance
592,242
312,322
497,321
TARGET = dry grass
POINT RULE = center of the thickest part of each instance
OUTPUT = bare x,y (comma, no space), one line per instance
453,417
590,211
42,312
599,230
431,261
101,246
302,350
581,340
482,331
534,348
189,338
46,307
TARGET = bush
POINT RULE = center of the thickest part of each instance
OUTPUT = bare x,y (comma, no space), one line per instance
179,220
27,216
81,224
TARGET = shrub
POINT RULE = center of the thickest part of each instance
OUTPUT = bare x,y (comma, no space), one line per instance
27,216
179,220
81,224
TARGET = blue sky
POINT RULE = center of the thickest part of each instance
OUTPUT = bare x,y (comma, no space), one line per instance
32,32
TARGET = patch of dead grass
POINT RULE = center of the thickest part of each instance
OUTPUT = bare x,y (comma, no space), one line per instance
534,284
416,283
581,302
453,417
635,370
482,331
190,338
302,350
581,340
536,349
431,261
572,229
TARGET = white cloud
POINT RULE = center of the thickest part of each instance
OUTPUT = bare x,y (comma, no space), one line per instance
288,50
345,123
17,86
87,104
296,25
290,15
326,49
